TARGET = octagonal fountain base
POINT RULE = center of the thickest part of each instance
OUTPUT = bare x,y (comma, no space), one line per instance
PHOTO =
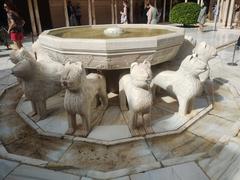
113,127
89,45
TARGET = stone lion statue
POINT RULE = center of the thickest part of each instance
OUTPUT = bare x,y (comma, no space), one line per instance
185,83
16,55
134,91
37,84
44,59
41,56
81,93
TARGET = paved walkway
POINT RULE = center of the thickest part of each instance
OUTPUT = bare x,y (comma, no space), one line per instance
178,157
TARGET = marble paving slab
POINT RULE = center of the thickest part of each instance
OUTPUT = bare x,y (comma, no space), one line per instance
227,109
24,172
167,103
200,103
4,73
110,132
12,127
123,178
56,123
215,38
178,146
158,113
107,158
225,165
187,171
26,107
38,147
168,123
86,178
213,128
113,116
226,104
6,167
8,80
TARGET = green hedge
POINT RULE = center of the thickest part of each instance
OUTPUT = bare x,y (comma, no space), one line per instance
185,13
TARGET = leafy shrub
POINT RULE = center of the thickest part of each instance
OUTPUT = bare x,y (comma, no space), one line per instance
185,13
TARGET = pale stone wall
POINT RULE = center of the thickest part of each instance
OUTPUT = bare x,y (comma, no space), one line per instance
84,10
103,12
57,13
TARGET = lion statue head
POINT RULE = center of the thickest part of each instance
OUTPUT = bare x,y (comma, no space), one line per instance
73,75
19,55
204,52
193,65
25,63
197,63
141,74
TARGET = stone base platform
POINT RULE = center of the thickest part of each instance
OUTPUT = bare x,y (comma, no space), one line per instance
113,127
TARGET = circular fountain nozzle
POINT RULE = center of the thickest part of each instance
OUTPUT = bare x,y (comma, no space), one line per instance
113,31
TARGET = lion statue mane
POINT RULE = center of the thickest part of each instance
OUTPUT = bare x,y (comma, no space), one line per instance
134,91
81,93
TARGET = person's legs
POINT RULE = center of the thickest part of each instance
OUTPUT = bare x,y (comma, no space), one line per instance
19,44
200,27
17,39
15,46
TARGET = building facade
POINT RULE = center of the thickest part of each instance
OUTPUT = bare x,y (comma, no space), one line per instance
46,14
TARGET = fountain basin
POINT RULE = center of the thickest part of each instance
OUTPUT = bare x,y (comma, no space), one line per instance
108,53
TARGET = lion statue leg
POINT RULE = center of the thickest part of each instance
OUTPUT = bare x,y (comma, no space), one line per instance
71,123
34,110
133,119
122,99
103,98
183,106
155,91
86,124
190,105
41,110
147,119
147,122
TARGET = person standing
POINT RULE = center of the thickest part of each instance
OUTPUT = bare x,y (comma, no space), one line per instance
78,14
71,14
237,16
4,37
15,24
152,13
202,16
124,13
216,15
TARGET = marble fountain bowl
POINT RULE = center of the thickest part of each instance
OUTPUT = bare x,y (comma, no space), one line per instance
97,50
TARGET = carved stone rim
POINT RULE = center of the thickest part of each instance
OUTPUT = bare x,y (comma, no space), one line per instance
113,46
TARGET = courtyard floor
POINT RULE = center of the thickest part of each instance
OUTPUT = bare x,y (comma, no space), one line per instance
208,149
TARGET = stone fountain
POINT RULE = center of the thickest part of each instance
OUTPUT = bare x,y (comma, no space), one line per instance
117,50
68,52
176,131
